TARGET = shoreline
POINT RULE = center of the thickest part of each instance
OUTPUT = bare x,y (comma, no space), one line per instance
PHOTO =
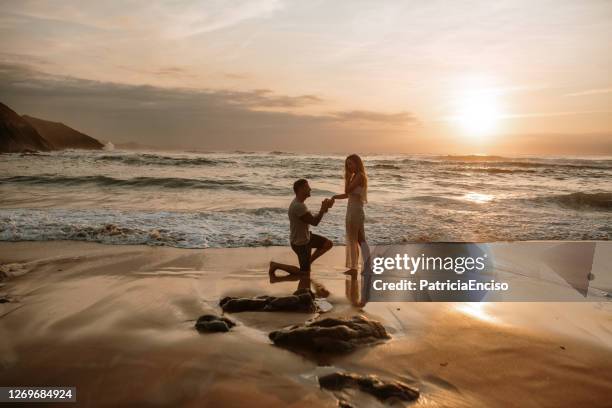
99,316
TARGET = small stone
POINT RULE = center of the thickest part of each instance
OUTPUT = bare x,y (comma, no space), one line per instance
344,404
302,300
331,335
213,324
236,305
370,384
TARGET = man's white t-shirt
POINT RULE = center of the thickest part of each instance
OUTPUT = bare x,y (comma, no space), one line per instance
299,233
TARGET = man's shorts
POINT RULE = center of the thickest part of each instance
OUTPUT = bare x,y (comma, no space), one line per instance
303,251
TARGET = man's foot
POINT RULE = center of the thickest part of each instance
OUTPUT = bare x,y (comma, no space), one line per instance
272,270
319,290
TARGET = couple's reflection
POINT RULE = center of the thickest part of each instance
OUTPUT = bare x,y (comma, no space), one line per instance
352,286
304,282
352,289
355,282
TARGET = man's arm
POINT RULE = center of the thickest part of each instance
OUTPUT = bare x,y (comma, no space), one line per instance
314,220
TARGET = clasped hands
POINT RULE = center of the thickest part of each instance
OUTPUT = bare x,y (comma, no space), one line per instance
327,204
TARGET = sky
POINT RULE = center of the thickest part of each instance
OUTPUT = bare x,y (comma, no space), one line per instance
443,77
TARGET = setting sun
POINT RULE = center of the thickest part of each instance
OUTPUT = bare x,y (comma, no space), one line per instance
479,114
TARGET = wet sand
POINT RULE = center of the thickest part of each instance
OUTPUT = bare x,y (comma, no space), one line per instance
117,323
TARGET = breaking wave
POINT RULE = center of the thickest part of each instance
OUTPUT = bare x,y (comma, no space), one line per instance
139,182
159,160
580,201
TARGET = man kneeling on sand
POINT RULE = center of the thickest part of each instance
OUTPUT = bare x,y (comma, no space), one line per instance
302,240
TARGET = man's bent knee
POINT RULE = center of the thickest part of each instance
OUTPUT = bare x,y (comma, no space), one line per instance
328,245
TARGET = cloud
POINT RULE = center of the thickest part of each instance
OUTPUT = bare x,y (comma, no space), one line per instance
399,118
265,98
162,72
182,117
232,75
596,91
11,58
24,80
599,143
554,114
170,71
224,14
175,19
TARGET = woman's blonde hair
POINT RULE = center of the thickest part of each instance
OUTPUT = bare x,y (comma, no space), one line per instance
360,169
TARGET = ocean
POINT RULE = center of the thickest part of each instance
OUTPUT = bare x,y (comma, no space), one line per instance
240,199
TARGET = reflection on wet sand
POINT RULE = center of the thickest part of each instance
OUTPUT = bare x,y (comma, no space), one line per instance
352,288
304,282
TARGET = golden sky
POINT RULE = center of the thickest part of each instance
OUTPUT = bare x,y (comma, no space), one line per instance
514,77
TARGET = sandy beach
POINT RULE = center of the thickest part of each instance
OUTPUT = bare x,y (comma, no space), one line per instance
117,322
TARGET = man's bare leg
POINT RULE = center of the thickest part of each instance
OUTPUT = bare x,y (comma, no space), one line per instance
318,288
320,251
286,278
291,269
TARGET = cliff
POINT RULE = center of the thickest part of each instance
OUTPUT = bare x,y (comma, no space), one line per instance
18,135
61,136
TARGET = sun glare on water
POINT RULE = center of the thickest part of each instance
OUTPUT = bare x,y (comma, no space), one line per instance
479,198
475,310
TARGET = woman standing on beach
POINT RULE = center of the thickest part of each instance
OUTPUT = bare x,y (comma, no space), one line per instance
355,189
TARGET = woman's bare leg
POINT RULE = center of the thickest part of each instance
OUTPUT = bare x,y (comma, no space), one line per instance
353,271
364,247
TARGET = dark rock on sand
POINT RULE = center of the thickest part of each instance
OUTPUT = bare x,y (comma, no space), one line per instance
301,301
331,335
370,384
213,324
344,404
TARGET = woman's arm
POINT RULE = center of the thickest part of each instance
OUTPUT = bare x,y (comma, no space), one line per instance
354,183
340,196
